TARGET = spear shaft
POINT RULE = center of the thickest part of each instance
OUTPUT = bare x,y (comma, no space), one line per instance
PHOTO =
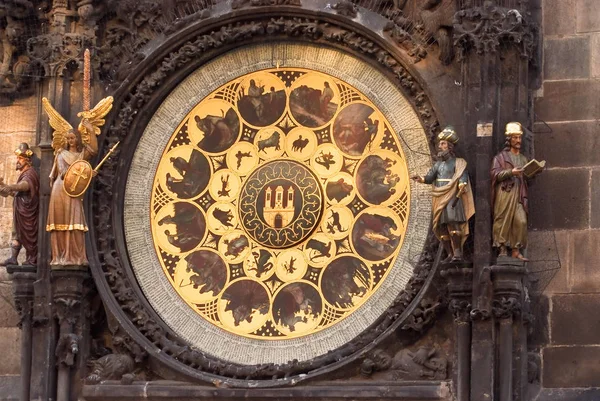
86,80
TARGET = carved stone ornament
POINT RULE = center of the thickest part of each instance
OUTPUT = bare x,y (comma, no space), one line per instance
421,364
67,349
14,63
144,326
506,307
257,3
346,8
484,28
112,367
423,315
461,310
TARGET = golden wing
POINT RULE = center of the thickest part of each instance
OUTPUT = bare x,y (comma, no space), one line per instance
59,124
95,117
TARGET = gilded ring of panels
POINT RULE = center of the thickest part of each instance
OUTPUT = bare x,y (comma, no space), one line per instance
283,198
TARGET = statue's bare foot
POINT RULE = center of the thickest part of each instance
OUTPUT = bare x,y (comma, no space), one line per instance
518,255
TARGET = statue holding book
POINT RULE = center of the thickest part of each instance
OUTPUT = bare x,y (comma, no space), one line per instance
509,173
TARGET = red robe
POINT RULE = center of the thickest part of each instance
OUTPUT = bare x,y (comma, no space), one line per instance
25,213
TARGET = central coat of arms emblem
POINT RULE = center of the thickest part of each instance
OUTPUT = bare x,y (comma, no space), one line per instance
281,203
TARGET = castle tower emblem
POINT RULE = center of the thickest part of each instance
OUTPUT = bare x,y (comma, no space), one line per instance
279,206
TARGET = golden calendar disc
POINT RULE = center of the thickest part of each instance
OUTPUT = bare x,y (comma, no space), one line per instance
280,203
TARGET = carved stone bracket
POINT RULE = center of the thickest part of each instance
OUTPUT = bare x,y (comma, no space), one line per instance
460,288
67,286
22,282
509,290
484,29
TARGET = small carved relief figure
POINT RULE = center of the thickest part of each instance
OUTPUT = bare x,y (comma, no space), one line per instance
453,203
509,195
406,365
112,367
67,348
25,208
66,217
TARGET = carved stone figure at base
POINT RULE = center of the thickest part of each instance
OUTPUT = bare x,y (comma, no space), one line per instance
452,204
509,195
25,208
405,365
112,367
66,217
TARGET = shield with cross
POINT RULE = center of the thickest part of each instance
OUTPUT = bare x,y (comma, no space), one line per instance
77,178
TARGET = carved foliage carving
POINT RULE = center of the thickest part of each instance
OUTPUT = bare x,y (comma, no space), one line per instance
14,30
461,310
483,29
423,315
506,307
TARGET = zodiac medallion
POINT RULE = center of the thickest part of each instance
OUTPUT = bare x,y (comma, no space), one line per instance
280,204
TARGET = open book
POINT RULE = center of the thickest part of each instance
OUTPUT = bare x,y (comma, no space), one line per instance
533,167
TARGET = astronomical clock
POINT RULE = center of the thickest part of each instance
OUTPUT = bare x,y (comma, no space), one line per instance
276,207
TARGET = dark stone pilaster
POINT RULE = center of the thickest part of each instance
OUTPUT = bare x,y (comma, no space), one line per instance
495,45
22,281
460,288
68,288
508,301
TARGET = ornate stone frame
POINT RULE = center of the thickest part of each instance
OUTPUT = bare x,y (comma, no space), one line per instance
136,100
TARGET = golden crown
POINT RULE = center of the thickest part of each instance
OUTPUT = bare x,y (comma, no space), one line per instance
23,150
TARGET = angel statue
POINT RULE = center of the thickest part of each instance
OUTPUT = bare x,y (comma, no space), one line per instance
66,218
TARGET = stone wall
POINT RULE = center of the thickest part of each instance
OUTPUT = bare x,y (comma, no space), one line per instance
18,124
566,198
